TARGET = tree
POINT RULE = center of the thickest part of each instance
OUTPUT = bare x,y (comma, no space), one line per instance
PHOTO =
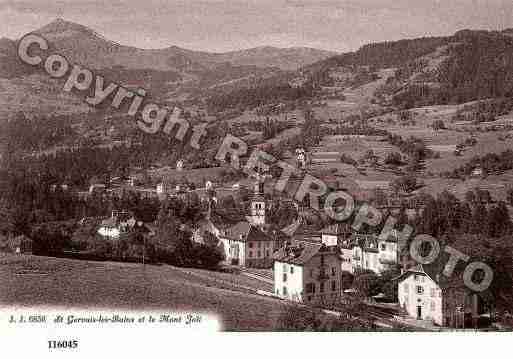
388,285
499,221
470,197
367,283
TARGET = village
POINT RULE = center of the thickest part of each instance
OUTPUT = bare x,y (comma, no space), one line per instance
325,268
100,210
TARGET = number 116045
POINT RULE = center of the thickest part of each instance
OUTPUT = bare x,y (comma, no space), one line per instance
62,344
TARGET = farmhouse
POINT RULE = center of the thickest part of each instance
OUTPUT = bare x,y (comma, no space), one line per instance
308,273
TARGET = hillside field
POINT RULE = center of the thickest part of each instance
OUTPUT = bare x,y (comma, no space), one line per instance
37,281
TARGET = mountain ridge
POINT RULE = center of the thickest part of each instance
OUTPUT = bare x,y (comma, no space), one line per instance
76,39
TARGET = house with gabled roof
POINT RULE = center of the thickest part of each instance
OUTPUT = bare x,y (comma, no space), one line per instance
248,245
309,273
426,294
420,295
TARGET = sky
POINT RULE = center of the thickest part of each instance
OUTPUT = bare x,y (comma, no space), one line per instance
218,26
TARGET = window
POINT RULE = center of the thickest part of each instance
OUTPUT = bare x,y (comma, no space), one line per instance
416,277
309,299
284,277
333,286
267,252
250,244
259,244
259,254
291,270
321,288
284,291
433,294
310,288
250,254
311,273
333,271
383,247
284,267
420,289
267,244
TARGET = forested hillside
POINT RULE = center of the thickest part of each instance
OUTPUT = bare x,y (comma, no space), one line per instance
468,66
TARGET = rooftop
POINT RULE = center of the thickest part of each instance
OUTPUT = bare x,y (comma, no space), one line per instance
300,253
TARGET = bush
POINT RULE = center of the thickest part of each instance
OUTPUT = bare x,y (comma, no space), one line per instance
367,283
295,318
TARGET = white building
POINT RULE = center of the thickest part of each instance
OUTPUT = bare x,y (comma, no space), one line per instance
369,252
426,294
420,295
120,222
308,273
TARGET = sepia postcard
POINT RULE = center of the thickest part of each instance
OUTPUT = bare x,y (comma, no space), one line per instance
205,171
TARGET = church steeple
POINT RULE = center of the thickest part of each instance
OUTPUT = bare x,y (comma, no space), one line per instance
258,204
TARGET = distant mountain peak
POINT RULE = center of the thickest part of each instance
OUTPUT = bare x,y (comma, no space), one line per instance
62,29
61,25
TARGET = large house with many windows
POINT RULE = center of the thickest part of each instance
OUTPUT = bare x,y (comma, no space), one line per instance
308,273
369,252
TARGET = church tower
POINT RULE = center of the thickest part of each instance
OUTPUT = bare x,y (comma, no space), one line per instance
258,205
